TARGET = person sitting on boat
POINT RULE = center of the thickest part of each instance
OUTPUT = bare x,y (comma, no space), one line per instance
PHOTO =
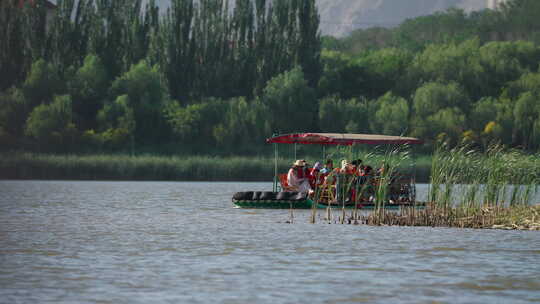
359,167
365,173
328,167
355,167
383,169
366,183
307,169
297,178
342,180
355,175
315,176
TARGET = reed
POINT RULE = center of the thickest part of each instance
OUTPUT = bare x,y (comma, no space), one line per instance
145,167
392,158
474,189
511,217
149,167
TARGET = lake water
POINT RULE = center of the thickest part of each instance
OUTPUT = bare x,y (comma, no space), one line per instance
167,242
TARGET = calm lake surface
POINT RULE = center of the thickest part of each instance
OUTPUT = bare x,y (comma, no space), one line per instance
173,242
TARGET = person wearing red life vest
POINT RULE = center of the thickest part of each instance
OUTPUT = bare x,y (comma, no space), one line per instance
315,176
298,177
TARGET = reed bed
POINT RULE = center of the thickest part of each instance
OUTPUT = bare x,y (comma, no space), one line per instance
511,217
469,189
467,179
146,167
124,167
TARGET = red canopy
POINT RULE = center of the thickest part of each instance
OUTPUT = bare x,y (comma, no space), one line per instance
341,139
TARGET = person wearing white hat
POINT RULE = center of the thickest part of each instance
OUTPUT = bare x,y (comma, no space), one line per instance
297,177
341,181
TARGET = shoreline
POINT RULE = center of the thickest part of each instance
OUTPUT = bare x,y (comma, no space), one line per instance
96,167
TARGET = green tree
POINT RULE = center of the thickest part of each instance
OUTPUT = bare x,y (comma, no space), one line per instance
520,19
42,83
89,90
447,121
361,40
526,117
391,116
341,76
194,124
51,124
449,26
434,101
14,110
451,62
244,124
385,70
147,96
291,102
343,116
505,121
483,112
117,119
434,96
506,61
528,82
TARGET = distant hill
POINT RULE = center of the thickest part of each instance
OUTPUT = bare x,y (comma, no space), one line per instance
339,17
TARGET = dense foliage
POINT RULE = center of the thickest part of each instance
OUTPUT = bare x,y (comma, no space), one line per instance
217,76
126,75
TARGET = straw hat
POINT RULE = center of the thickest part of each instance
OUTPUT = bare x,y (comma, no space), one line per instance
299,163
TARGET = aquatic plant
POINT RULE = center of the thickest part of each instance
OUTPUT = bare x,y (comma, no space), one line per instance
475,189
511,217
152,167
469,189
142,167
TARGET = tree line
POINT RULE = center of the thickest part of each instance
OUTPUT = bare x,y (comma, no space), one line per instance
214,76
103,73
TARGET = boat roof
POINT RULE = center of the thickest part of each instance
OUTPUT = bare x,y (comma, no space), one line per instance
341,139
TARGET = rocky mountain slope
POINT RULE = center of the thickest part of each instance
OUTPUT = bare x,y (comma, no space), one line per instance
339,17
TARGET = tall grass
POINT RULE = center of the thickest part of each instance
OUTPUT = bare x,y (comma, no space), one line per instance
392,158
494,178
469,188
149,167
475,189
124,167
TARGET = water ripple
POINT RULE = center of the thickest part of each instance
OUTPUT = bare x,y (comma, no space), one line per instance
141,242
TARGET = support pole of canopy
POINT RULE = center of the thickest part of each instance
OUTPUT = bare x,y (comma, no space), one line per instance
274,189
295,151
413,156
324,153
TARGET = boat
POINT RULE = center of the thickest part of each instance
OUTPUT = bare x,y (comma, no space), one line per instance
282,197
297,200
272,200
